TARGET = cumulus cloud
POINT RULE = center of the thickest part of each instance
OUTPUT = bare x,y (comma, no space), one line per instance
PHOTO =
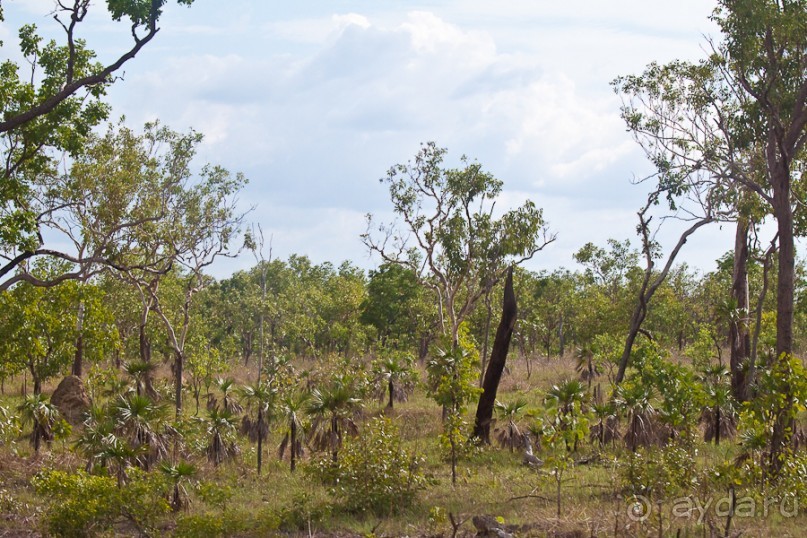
315,105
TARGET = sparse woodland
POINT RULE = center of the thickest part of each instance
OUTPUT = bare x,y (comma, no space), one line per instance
634,396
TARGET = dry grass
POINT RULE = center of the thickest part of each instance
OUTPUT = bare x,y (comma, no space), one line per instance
491,481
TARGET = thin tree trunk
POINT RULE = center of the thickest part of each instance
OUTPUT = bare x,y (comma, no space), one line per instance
498,358
293,439
260,440
178,364
739,334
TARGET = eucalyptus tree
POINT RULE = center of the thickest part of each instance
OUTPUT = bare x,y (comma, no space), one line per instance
741,116
395,306
51,102
447,234
199,220
39,325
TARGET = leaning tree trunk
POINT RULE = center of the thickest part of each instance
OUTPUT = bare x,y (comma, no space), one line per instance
498,356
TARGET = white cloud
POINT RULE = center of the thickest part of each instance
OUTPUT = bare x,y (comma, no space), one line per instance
315,103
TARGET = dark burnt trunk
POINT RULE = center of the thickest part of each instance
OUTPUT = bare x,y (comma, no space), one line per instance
498,357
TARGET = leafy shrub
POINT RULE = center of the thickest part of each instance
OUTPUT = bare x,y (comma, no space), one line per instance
85,505
374,472
660,472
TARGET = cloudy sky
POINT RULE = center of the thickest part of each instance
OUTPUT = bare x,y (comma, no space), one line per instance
315,100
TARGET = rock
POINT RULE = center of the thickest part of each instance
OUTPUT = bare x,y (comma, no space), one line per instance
71,399
489,527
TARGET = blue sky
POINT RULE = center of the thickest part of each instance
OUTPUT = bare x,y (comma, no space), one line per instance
315,100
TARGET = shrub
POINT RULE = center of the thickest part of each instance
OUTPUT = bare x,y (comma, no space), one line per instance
85,505
374,473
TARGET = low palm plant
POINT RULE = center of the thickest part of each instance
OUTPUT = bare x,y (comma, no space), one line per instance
140,372
395,376
220,429
37,411
510,435
97,434
291,408
634,400
178,474
605,429
333,408
569,401
226,386
259,400
719,411
142,423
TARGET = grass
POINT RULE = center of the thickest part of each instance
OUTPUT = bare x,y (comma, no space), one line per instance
233,500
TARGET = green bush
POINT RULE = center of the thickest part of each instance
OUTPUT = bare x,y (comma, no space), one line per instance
81,504
374,472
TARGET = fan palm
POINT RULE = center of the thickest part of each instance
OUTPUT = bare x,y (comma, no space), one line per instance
719,414
569,399
605,430
634,400
220,428
291,407
226,386
511,435
178,474
42,415
333,408
140,372
142,423
395,377
259,399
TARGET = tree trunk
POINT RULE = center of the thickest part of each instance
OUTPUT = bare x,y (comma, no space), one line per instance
391,388
260,440
293,439
739,334
79,358
78,361
178,383
489,309
782,430
498,357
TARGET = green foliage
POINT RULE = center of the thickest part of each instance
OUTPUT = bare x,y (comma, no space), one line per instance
781,394
84,505
660,473
37,411
375,473
394,375
567,403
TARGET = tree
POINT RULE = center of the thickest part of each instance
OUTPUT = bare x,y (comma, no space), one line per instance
763,54
199,221
458,249
451,384
40,325
396,306
50,106
498,358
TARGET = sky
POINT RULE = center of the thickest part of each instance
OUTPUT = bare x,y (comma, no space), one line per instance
314,100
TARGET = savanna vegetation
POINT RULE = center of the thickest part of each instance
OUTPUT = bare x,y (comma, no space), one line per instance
449,391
